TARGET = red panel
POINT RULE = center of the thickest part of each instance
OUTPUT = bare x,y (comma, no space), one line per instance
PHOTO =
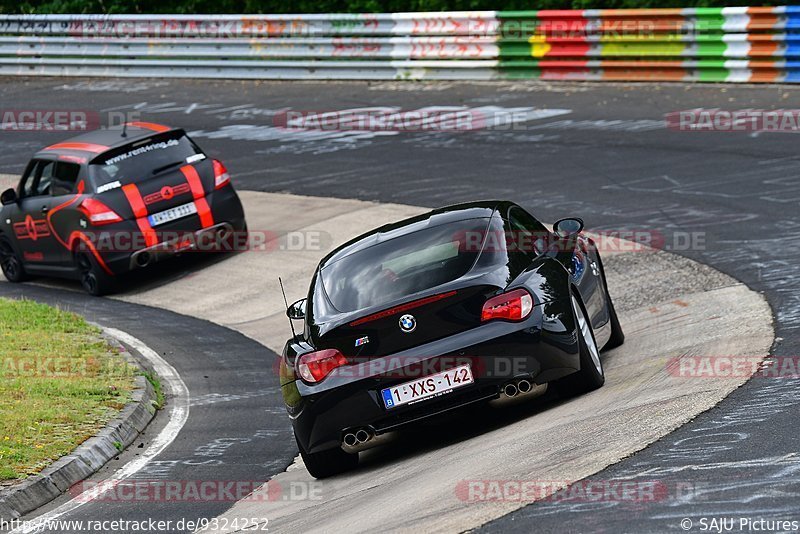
203,210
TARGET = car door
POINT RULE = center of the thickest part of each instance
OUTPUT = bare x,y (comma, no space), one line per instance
29,217
62,215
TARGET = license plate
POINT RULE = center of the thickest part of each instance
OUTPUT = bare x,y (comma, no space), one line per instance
172,214
425,388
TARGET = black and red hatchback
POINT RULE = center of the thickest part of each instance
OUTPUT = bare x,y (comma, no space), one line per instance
111,201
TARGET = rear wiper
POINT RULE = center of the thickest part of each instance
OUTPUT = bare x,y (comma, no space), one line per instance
165,167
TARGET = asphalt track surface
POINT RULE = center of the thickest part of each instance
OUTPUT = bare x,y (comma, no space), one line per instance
600,152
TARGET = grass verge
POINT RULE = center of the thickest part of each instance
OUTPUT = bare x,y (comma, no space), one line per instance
60,383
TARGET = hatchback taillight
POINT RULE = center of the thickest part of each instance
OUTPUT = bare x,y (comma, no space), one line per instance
515,305
315,366
221,176
98,213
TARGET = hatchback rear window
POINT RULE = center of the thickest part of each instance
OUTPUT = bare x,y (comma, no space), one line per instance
404,265
141,160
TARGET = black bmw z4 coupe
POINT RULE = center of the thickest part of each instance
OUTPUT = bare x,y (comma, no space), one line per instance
471,303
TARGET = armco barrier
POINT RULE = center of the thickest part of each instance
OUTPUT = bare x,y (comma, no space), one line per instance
744,44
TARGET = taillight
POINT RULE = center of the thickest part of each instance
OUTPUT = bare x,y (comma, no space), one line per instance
98,213
515,305
221,176
315,366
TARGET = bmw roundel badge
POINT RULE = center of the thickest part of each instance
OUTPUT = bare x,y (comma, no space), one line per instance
408,323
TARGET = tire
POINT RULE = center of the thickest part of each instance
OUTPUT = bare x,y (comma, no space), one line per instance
327,463
617,335
590,376
242,241
11,263
236,241
94,280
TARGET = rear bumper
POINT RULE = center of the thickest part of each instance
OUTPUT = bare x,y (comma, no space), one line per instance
228,213
321,416
186,243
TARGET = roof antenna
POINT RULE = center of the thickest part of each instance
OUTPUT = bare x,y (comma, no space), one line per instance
291,324
125,130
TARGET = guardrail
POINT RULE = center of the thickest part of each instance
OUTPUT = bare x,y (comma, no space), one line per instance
695,44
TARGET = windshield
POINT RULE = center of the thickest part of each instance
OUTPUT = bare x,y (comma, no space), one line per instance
140,160
403,266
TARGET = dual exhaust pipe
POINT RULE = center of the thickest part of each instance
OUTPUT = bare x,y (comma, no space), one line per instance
519,389
362,435
361,439
222,233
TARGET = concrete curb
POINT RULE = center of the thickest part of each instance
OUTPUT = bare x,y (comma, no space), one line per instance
90,456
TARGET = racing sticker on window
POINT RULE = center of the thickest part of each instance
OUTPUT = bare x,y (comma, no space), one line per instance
142,150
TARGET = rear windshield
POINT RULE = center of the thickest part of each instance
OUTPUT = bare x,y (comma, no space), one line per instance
141,160
405,265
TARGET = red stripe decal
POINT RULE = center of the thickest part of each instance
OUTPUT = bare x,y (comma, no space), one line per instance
81,189
140,212
206,217
150,126
83,147
80,236
402,308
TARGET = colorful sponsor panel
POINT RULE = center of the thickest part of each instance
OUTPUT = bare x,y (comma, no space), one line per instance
730,44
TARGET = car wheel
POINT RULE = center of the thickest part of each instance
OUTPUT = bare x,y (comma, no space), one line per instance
94,279
11,263
327,463
590,376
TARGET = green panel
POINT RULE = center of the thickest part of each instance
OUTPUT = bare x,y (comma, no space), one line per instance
711,21
500,15
518,63
512,29
710,64
708,11
643,49
514,49
713,75
711,49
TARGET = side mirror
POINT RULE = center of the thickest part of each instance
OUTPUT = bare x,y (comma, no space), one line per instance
297,310
568,227
9,196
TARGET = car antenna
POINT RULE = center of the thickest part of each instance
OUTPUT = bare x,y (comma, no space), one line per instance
125,130
291,324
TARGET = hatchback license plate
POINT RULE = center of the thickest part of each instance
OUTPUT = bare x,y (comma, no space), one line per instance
172,214
430,386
